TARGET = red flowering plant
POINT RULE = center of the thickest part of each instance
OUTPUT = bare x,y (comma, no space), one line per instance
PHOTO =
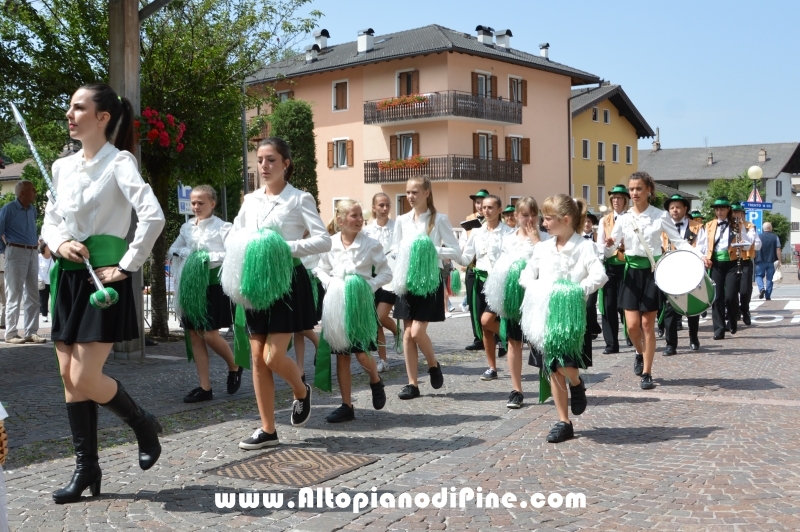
158,129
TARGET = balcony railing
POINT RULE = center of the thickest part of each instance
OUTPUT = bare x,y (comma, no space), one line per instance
444,104
448,168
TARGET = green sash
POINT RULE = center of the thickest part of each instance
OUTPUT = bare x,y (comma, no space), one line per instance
322,365
722,256
213,278
480,275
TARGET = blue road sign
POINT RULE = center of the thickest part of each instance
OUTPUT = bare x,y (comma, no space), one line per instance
756,217
184,199
757,205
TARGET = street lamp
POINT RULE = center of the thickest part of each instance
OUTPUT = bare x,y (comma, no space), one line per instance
755,173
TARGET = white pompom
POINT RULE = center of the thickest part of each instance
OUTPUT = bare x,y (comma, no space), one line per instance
495,286
175,270
233,265
333,322
534,312
400,273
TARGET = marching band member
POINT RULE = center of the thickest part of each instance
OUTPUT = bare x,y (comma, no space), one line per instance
352,271
748,255
562,272
88,217
422,238
591,303
205,308
509,216
484,246
639,230
692,231
615,269
382,230
469,275
274,213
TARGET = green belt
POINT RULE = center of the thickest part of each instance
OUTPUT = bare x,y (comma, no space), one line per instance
722,256
480,275
104,250
614,261
637,263
241,340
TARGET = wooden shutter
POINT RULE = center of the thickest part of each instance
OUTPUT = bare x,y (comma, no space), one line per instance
494,146
341,95
403,84
494,86
350,156
476,145
415,144
525,150
524,90
474,83
290,95
393,147
330,154
415,82
509,152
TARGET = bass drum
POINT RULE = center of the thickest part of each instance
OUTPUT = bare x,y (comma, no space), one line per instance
683,279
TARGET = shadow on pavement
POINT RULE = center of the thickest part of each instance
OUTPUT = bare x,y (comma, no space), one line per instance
728,384
369,420
377,445
641,435
608,401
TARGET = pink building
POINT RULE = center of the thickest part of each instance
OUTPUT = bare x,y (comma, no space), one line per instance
468,111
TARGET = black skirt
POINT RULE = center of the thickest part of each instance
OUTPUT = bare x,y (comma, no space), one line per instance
77,321
429,308
356,349
385,296
320,299
293,313
639,291
513,330
218,310
536,358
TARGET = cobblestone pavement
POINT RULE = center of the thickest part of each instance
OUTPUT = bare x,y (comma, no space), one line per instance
712,447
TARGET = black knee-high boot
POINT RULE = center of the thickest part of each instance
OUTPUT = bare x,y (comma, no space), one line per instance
83,423
144,425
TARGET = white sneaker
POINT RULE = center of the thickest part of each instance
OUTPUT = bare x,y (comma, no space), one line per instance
464,308
382,365
44,319
448,314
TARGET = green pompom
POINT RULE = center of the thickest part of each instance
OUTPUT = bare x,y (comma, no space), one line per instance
193,289
513,293
314,287
423,267
566,323
455,281
104,298
360,318
267,270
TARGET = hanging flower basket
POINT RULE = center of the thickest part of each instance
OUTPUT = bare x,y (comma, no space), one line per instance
401,100
412,162
160,130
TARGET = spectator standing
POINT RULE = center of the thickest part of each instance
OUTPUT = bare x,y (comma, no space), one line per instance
18,228
765,261
46,264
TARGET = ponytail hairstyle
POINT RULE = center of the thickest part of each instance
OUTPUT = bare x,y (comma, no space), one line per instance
648,181
339,212
282,147
499,204
375,200
119,129
562,205
208,190
426,185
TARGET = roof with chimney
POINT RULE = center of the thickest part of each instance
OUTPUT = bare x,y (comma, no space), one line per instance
420,41
586,98
692,164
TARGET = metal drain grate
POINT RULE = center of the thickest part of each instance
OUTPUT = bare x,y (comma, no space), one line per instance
294,467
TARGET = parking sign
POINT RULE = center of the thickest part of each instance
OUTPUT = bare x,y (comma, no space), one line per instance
756,217
184,199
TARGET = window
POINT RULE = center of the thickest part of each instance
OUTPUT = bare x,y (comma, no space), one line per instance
595,114
587,194
795,226
516,149
403,145
615,153
484,146
778,188
518,90
403,206
606,116
628,155
586,150
285,95
406,146
340,95
340,153
601,195
408,83
251,181
601,174
484,85
601,151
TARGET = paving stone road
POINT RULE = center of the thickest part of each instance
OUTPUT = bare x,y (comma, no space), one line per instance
712,447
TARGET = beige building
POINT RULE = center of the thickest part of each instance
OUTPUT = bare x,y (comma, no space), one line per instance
11,175
469,111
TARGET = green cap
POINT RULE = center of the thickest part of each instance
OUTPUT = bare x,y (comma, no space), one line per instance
722,201
696,214
737,206
620,189
482,193
677,197
509,208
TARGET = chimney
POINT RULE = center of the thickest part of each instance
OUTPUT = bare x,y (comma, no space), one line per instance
366,40
503,38
485,34
657,142
321,37
544,50
710,160
762,155
311,53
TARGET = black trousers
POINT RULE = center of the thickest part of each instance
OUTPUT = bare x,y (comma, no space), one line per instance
724,275
44,300
591,315
746,287
612,315
671,321
469,281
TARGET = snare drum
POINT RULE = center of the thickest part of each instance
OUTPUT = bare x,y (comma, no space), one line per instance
682,277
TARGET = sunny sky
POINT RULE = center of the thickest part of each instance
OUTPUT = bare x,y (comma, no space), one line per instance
725,71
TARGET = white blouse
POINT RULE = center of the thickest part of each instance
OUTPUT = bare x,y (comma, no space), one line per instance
92,200
384,234
485,245
576,261
652,223
359,258
207,235
442,233
290,214
518,249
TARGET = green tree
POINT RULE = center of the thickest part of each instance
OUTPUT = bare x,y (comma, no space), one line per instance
781,226
293,120
735,189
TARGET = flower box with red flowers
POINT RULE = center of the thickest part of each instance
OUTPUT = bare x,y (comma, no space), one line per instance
412,162
161,130
401,100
